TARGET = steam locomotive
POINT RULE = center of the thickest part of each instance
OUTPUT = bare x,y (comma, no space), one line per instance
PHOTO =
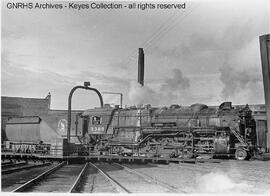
170,132
145,131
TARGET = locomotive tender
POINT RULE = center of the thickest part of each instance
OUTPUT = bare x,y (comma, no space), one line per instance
174,132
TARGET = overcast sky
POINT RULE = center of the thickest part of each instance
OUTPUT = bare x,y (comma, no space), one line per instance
207,53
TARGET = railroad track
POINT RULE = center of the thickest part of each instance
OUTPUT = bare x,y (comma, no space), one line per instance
171,188
13,180
74,187
61,178
20,166
127,180
6,162
93,178
120,188
10,164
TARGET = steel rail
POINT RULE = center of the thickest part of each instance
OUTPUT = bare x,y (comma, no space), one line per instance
78,180
13,164
116,184
151,179
38,178
6,163
8,171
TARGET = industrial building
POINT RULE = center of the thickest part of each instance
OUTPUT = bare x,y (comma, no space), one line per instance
18,106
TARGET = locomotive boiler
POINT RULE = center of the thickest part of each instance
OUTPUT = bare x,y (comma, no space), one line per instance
172,132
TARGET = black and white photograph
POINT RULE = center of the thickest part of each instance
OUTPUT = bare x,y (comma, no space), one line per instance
129,96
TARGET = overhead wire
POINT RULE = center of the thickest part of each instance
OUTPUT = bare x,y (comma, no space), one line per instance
157,38
160,32
159,29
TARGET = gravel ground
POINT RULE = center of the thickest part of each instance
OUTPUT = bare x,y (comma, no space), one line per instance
229,176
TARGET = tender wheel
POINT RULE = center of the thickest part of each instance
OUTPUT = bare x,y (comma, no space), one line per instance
241,154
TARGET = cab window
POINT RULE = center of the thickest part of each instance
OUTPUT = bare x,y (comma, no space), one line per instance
96,120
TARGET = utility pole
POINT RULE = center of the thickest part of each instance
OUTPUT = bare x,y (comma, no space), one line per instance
265,59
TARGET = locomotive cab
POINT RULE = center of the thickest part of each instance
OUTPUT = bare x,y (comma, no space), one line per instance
242,130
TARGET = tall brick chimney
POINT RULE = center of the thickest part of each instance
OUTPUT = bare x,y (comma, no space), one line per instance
141,67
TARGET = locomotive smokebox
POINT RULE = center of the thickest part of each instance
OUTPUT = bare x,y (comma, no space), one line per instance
141,67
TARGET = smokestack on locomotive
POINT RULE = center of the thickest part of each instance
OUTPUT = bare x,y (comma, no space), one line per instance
141,67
